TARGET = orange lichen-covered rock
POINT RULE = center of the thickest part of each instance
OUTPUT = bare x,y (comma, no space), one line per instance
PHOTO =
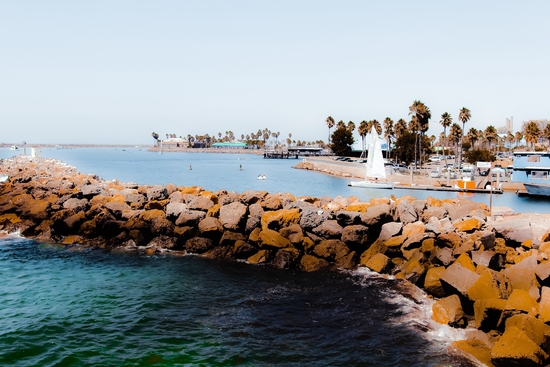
515,348
490,284
468,224
448,311
260,257
466,261
280,218
331,250
545,305
358,207
475,348
272,239
432,284
379,263
311,263
487,313
520,301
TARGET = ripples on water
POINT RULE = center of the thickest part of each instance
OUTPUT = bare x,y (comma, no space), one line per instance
61,307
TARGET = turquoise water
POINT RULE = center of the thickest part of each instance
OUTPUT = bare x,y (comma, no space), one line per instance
61,307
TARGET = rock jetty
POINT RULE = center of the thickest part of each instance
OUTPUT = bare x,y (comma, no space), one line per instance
492,275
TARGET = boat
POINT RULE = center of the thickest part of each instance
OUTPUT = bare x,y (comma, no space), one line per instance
375,168
261,177
14,147
537,189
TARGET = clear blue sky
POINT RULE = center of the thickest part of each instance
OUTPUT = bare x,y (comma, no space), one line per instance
115,71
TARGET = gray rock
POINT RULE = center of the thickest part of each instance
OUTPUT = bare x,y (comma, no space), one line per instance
313,217
200,203
355,235
377,215
347,218
329,229
157,192
174,209
389,230
89,191
406,212
254,220
233,216
190,218
76,205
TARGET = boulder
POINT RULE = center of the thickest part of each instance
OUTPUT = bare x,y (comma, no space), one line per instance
200,203
199,245
515,348
76,205
390,230
448,311
233,216
347,218
329,229
243,250
278,219
475,348
271,239
331,250
255,212
458,280
286,258
379,263
432,283
544,305
117,208
377,215
406,212
210,227
261,257
487,313
522,275
157,192
355,235
174,210
312,217
250,197
519,302
190,218
310,263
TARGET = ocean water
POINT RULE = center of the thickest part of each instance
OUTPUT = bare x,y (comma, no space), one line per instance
62,307
70,307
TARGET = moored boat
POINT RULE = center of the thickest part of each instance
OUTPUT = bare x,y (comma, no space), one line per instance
537,189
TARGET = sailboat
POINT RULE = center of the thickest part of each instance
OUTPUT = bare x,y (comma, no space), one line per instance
374,167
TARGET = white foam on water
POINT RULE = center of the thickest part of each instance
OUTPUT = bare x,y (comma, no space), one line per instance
416,309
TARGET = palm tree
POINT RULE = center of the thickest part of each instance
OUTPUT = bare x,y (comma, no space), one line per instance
400,128
376,125
363,130
464,116
351,126
330,124
455,136
388,133
490,134
156,137
473,136
547,133
518,136
446,121
420,119
532,133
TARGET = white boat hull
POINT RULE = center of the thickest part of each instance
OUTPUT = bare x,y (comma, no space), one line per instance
372,184
537,189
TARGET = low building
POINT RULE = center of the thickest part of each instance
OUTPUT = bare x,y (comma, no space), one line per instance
532,167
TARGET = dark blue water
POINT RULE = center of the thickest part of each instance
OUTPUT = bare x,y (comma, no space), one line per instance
60,307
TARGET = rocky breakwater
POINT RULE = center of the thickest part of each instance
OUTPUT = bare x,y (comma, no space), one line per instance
492,276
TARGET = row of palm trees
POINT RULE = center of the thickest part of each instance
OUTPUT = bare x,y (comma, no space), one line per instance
260,138
418,124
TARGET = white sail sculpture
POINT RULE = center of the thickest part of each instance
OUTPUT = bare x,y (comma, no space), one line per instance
375,166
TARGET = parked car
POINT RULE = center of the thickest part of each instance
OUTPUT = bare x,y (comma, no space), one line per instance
435,174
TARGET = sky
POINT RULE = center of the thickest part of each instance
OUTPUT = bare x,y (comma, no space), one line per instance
107,72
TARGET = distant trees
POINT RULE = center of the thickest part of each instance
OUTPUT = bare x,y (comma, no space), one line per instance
342,140
532,133
330,124
156,137
464,116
